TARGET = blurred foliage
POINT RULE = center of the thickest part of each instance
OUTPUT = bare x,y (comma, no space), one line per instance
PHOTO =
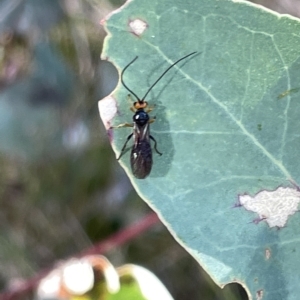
60,187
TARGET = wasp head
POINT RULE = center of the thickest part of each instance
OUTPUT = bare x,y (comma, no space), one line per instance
141,104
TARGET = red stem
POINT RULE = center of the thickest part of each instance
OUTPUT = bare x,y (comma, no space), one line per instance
116,240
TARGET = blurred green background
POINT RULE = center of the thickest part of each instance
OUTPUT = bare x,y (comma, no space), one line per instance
61,188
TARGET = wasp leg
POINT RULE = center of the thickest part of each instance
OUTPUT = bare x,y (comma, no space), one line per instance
129,98
122,125
124,147
155,143
152,120
150,108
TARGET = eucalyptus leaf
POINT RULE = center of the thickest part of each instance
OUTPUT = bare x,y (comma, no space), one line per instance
227,123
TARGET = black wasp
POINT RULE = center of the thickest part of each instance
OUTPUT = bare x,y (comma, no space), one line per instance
141,153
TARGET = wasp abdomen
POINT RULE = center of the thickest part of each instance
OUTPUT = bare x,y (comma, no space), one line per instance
141,159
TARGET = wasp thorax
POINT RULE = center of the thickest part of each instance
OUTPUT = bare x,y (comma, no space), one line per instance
141,117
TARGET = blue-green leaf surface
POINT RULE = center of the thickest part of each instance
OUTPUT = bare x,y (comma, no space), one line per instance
227,122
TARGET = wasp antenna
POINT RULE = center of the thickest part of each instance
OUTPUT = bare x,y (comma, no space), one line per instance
163,74
126,87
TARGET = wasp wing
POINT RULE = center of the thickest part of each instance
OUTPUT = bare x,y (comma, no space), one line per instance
141,153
